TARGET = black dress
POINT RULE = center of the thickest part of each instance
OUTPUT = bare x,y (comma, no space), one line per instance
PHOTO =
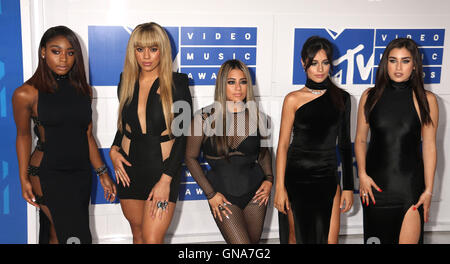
394,162
145,153
311,176
64,171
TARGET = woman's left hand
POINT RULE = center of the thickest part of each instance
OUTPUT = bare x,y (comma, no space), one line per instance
160,195
108,187
263,193
347,198
425,200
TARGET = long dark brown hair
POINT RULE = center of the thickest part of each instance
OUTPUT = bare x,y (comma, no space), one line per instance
416,79
220,97
313,45
43,79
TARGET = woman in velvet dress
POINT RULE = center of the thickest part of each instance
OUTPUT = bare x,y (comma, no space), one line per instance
231,135
307,190
148,149
397,172
56,177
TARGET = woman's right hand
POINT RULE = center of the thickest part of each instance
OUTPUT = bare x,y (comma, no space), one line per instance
219,205
281,201
118,160
27,193
365,188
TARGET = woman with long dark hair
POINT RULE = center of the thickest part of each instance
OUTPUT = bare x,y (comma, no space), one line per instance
147,151
56,177
308,192
230,132
400,161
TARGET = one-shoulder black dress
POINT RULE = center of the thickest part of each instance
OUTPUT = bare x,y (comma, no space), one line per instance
65,172
394,162
311,175
145,153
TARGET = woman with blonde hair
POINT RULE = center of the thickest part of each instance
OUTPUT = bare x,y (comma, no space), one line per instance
146,155
231,133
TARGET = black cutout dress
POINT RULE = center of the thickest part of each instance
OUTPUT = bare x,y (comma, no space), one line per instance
64,172
394,162
145,153
311,176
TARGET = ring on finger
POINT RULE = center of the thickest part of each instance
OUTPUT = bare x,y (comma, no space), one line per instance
162,205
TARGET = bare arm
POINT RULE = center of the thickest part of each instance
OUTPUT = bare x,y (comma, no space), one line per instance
429,143
429,154
287,121
362,130
97,162
22,101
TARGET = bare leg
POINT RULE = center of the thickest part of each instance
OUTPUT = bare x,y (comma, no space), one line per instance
36,184
292,239
410,231
335,221
133,212
154,228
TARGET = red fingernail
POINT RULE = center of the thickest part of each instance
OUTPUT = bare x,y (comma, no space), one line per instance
380,190
414,208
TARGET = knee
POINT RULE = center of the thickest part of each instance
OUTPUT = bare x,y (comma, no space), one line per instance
136,229
153,239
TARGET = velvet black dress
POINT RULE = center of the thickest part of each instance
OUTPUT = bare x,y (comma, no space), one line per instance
311,176
394,162
144,152
63,165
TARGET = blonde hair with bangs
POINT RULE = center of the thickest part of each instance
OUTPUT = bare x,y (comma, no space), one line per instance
148,35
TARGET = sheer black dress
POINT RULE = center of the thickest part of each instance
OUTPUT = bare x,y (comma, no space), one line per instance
143,150
237,176
394,161
311,176
61,160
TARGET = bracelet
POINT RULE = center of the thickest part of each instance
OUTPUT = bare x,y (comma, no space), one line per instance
428,192
102,170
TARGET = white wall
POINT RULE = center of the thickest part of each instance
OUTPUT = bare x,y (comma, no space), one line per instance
276,21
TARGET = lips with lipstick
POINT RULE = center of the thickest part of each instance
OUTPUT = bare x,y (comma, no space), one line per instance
62,68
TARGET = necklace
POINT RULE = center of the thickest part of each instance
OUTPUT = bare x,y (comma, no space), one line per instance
317,88
315,91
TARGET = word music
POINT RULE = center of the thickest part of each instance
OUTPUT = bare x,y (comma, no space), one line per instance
204,49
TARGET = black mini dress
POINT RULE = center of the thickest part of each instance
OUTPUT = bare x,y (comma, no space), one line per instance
145,153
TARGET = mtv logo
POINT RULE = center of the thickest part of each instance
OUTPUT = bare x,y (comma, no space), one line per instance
107,49
352,59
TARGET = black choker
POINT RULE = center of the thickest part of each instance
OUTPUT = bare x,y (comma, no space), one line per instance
60,77
317,86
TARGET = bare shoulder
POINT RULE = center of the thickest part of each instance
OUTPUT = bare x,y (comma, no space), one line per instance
25,94
431,97
292,98
366,92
